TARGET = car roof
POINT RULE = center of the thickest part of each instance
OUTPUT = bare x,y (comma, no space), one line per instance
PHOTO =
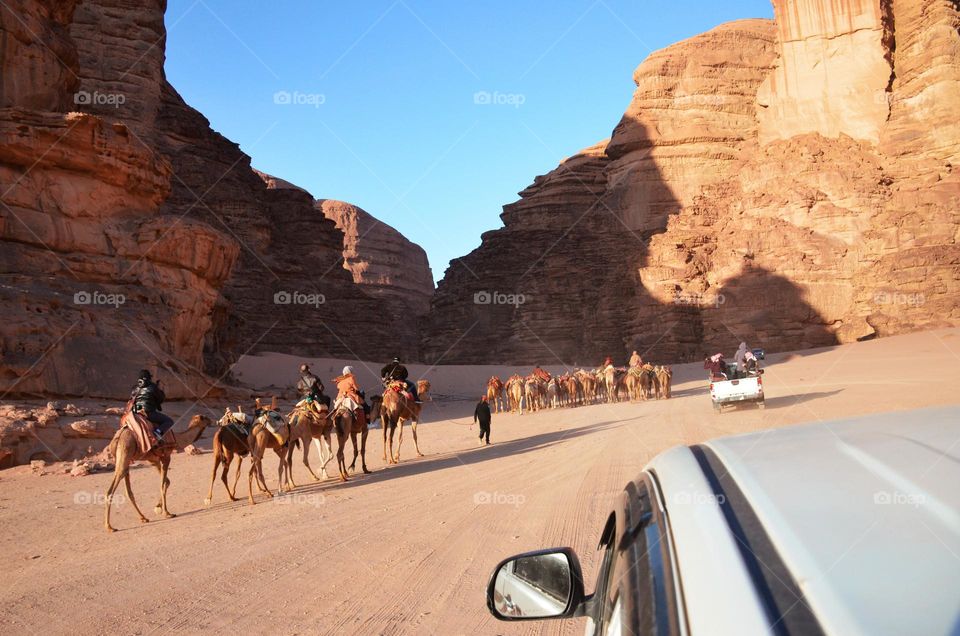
865,513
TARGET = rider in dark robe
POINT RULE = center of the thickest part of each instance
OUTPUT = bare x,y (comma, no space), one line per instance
396,371
148,400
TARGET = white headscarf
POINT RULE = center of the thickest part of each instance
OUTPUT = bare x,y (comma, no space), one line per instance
347,370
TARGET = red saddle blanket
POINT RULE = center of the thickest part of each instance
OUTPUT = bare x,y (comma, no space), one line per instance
142,429
401,388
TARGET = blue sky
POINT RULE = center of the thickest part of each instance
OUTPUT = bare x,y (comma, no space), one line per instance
431,115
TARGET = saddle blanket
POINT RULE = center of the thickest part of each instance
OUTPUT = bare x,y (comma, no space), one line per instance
142,430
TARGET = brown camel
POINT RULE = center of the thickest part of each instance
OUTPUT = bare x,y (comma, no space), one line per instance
633,383
648,382
346,422
229,441
574,391
514,389
397,409
125,450
495,393
589,383
259,440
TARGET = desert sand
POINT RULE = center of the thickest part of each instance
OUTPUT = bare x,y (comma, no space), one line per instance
408,548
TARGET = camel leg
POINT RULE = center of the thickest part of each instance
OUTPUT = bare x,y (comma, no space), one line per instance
341,460
326,453
126,483
399,441
413,427
353,440
164,484
323,466
253,468
363,451
385,427
236,479
281,455
123,467
213,475
306,459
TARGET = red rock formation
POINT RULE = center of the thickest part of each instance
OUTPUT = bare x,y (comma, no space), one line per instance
134,201
791,184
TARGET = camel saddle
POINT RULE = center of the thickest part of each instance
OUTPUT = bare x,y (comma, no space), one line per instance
400,387
142,430
275,423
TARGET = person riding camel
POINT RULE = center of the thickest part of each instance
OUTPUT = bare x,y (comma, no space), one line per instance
148,397
635,360
541,374
396,371
311,389
347,387
606,364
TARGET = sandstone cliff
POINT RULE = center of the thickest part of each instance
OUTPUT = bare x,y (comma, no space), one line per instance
791,183
135,236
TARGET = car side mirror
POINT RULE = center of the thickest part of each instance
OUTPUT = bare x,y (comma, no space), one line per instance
536,585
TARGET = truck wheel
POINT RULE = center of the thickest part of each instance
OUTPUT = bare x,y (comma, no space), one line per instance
717,409
761,404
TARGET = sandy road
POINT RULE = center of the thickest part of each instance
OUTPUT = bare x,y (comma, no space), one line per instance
407,549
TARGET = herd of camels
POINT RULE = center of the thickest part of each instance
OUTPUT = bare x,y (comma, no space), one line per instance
240,435
611,384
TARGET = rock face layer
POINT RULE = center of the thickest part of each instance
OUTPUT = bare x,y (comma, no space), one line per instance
135,236
789,183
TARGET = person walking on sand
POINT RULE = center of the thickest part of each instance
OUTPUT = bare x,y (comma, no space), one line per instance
482,414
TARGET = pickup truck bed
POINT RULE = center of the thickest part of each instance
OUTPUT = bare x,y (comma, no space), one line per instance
746,389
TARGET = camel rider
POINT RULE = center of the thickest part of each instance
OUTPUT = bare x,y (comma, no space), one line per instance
635,360
607,363
541,374
311,388
148,400
347,387
396,371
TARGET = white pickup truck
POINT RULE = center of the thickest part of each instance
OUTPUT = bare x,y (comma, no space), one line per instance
748,388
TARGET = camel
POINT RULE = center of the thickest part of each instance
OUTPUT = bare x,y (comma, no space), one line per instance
346,422
633,383
553,393
495,393
648,382
228,442
259,440
125,450
589,383
664,382
396,408
610,383
533,392
306,424
574,391
514,389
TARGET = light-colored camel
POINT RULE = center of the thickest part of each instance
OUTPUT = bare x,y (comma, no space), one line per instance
610,383
397,409
533,391
309,424
589,383
553,393
633,382
664,382
125,450
261,439
514,388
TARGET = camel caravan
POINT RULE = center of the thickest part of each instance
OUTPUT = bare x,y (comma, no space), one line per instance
145,433
640,381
